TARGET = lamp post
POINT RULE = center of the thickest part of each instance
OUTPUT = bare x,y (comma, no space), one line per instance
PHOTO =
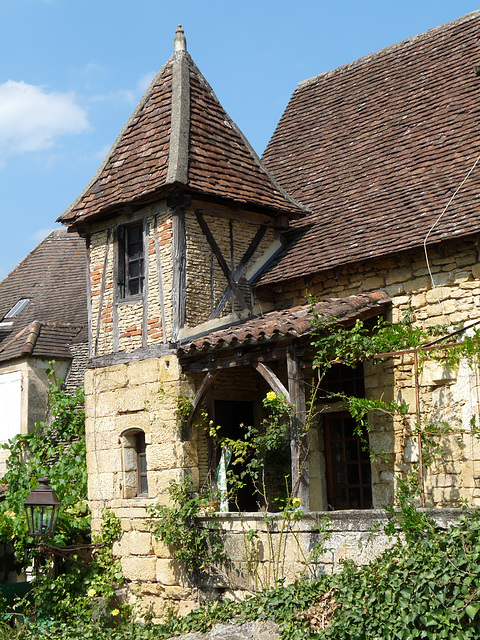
42,507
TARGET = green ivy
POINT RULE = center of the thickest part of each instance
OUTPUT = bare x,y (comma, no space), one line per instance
178,525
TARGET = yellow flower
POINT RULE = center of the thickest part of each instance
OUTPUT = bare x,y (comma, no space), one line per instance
91,593
271,395
9,513
115,612
296,502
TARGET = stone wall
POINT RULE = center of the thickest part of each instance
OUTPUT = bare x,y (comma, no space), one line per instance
280,548
206,281
140,396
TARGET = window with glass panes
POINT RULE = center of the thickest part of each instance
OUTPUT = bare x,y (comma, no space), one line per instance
131,255
347,459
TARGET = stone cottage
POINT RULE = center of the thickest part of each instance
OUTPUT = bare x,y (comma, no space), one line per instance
201,259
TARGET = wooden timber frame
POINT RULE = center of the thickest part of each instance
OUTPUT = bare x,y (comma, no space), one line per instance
292,353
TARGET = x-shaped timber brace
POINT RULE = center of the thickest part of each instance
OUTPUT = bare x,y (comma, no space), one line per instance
232,275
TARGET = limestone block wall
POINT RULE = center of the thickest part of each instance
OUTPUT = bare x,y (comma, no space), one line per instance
124,399
446,395
308,547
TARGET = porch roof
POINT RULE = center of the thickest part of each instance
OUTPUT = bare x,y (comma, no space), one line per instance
294,322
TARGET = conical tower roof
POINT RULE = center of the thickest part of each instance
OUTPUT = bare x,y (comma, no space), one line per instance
180,135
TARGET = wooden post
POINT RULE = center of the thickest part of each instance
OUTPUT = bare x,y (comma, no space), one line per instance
299,448
179,286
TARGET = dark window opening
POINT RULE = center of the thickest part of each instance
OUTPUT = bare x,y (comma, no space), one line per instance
272,484
131,256
142,481
349,484
344,379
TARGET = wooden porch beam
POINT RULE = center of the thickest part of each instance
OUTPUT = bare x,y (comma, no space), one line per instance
299,449
207,382
272,379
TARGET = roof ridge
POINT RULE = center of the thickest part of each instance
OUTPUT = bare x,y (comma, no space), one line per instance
177,170
73,325
32,336
386,50
16,337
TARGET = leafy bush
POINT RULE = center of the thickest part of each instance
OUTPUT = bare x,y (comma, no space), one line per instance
178,525
56,450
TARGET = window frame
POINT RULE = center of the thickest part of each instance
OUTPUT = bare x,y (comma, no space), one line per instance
134,452
358,464
130,287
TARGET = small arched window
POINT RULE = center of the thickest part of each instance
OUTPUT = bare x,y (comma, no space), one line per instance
135,476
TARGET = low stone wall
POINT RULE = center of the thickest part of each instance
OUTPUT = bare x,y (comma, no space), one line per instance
261,548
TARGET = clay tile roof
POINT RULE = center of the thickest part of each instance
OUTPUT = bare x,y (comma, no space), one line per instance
180,134
377,148
53,279
288,323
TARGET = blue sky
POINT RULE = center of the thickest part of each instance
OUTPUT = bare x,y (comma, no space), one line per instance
72,71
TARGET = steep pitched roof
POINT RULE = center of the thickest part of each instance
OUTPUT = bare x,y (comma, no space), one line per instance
180,134
377,148
53,280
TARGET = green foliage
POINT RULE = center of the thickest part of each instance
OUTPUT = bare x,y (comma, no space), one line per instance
179,526
56,450
407,521
83,594
335,343
429,589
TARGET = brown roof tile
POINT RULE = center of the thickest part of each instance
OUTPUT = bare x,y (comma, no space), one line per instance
288,323
377,148
53,278
180,134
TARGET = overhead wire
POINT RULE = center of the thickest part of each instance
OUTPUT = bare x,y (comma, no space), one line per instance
434,286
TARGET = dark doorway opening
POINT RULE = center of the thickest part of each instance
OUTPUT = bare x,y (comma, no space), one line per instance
233,416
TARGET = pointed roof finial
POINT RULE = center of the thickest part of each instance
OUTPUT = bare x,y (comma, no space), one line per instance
179,42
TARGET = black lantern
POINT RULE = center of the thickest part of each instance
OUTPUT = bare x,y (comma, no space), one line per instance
42,507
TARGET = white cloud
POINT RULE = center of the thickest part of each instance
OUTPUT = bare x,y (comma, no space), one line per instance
41,234
31,118
129,96
101,154
144,82
120,96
